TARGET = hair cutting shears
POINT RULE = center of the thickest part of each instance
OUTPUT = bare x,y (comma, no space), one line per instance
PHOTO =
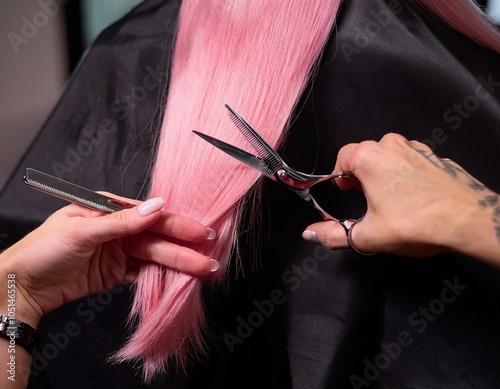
268,162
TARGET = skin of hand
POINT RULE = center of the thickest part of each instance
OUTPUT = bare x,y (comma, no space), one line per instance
78,252
417,203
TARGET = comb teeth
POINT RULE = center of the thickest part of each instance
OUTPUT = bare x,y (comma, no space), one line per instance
68,196
269,161
271,164
242,126
268,169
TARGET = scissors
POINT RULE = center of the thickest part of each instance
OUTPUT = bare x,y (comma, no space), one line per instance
268,162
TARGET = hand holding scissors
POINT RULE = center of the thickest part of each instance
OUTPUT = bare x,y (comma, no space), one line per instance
268,162
417,203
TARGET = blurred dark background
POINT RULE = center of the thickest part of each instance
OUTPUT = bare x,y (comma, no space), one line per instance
41,42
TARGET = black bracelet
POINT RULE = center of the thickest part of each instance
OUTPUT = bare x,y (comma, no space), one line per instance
19,332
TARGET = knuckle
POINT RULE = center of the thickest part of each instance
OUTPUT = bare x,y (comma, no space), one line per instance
365,153
392,137
332,236
186,229
190,262
173,226
180,259
420,146
123,220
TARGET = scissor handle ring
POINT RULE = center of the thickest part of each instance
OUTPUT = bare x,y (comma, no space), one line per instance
348,225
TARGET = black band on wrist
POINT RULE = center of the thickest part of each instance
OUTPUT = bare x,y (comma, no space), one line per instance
20,332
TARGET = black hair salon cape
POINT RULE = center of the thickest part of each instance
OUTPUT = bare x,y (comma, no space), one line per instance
307,317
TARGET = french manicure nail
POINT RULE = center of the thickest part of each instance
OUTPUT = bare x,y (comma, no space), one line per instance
310,236
216,265
150,206
212,234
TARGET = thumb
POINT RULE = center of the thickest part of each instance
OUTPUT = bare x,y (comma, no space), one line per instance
330,234
127,222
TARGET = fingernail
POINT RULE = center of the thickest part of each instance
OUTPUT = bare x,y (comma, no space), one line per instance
212,234
216,265
310,236
150,206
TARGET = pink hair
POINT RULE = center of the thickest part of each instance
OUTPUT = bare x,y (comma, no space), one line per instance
257,56
467,17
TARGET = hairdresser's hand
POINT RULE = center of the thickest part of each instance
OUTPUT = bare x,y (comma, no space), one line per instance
417,203
78,251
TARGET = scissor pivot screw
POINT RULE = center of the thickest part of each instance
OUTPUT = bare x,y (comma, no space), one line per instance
282,174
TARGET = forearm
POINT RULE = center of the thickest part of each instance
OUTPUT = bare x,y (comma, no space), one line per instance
478,233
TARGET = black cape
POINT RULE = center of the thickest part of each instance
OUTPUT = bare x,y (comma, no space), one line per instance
308,317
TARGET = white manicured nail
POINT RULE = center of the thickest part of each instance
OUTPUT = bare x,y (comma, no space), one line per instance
150,206
310,236
212,234
216,265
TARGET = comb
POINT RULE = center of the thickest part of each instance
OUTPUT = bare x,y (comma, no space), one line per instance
73,193
271,161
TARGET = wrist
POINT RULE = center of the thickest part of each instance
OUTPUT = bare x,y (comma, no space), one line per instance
475,235
15,301
18,319
18,332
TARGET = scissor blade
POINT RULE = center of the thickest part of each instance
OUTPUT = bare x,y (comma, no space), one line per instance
269,157
241,155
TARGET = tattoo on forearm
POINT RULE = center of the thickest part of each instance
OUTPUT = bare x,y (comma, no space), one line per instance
490,200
